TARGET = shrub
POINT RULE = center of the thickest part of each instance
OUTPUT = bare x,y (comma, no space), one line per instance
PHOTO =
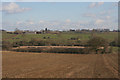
6,45
37,42
96,42
52,50
20,43
65,50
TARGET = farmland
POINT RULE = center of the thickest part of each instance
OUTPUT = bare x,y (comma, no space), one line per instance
45,65
61,37
48,63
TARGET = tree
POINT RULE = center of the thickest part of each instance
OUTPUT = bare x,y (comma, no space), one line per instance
6,45
95,43
17,31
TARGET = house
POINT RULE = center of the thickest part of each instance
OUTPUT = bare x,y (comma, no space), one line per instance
106,30
116,30
72,30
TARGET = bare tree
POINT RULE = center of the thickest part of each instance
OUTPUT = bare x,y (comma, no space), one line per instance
95,43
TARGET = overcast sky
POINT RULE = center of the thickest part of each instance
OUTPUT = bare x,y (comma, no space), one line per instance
59,15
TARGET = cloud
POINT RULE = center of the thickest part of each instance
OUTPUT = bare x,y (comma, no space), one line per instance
100,3
99,21
92,5
89,15
116,4
68,20
41,21
108,17
59,25
107,12
25,23
19,22
12,7
29,22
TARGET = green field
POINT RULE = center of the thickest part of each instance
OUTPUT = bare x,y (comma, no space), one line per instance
61,37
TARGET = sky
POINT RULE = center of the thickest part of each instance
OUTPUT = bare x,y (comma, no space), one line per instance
59,15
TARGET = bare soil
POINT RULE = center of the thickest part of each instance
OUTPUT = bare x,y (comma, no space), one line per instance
49,47
52,65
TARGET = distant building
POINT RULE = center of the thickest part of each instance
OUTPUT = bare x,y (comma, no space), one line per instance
116,30
38,32
106,30
72,30
101,30
85,30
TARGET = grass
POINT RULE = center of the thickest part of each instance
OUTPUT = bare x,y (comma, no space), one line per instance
110,36
61,37
115,49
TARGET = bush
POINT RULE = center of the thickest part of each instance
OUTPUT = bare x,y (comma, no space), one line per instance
53,50
65,50
37,42
6,45
33,42
96,42
20,43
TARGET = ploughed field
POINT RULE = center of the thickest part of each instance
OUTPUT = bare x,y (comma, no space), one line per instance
53,65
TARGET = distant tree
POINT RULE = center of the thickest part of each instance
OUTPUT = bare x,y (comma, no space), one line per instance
17,31
46,29
6,45
97,42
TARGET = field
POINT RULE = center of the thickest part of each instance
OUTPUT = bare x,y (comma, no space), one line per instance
61,37
45,65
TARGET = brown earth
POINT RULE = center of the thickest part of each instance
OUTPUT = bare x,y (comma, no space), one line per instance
51,65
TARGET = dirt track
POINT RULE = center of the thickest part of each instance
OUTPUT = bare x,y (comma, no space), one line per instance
49,47
50,65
